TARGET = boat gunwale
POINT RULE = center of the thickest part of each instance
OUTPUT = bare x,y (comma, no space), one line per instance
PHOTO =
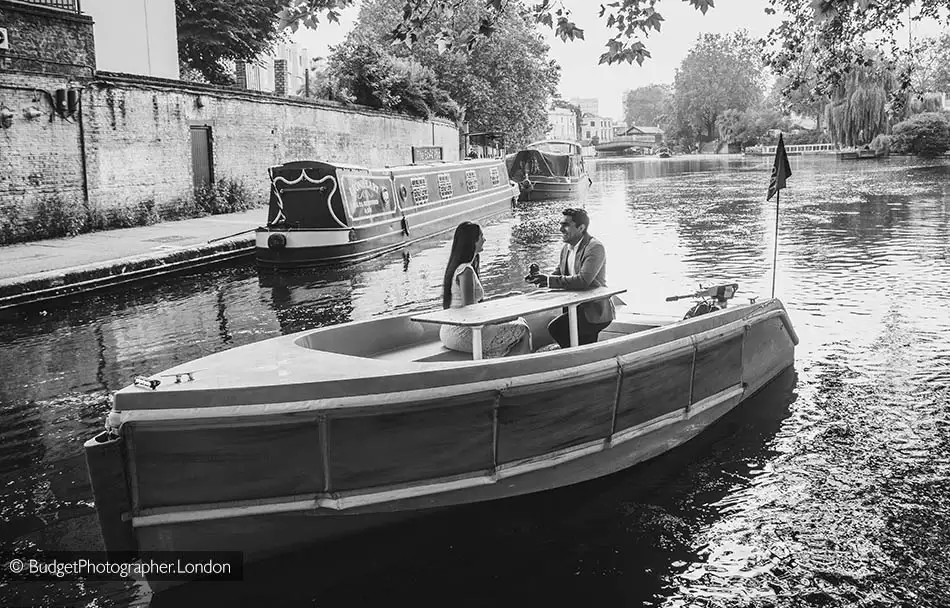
408,397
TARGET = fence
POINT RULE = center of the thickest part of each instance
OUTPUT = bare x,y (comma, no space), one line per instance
63,5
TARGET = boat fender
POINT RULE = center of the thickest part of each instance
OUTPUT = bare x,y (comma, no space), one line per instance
276,241
405,225
403,193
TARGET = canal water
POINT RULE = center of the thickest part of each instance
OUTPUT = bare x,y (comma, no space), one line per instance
829,488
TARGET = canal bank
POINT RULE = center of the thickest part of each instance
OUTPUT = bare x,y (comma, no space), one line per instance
44,270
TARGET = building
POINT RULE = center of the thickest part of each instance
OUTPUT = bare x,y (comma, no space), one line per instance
563,123
138,37
261,75
600,127
588,105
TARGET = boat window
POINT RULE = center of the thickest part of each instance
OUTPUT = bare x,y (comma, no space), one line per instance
471,181
420,190
495,176
445,186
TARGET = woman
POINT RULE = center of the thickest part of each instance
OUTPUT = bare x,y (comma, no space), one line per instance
461,287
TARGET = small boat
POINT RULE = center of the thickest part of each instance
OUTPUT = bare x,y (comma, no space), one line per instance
289,441
663,153
323,213
549,169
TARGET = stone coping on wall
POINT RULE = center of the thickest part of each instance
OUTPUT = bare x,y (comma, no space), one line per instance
167,84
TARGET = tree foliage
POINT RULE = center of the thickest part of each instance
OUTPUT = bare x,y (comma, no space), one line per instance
826,37
719,73
858,110
647,105
926,134
503,83
213,32
364,74
752,126
832,38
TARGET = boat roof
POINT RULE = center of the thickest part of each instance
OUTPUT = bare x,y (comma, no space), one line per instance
554,141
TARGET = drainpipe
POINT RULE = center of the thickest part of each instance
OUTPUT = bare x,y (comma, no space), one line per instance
82,153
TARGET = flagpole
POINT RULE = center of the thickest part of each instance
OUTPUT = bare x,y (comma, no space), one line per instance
775,250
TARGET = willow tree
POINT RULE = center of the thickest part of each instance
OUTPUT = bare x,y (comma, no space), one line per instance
859,106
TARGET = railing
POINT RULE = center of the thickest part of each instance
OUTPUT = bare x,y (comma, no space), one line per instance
793,149
63,5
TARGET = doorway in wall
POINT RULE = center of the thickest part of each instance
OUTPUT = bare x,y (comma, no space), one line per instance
202,164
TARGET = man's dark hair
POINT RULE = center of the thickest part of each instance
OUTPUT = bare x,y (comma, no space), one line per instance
579,216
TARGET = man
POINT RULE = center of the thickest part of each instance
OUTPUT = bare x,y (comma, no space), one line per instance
583,266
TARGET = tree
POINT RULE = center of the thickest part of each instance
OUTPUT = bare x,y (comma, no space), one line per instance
858,110
719,73
926,134
647,105
750,127
371,77
503,83
929,65
832,34
213,32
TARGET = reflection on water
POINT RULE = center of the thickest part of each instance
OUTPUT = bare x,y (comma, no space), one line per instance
828,490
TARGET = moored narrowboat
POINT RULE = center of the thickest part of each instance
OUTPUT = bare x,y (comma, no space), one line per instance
328,213
549,169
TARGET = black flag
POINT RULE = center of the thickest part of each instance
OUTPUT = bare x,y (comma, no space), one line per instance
781,170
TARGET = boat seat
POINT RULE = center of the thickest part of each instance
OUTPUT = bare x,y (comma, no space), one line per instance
424,352
630,323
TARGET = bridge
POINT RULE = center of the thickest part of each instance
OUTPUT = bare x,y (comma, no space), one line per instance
622,142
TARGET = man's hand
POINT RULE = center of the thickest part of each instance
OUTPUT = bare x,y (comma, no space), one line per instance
541,280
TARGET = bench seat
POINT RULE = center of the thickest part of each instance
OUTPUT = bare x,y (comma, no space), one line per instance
423,351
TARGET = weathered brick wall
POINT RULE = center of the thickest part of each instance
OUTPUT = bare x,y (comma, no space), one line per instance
40,158
139,147
47,40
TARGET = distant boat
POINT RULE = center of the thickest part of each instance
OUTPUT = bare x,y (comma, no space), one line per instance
325,213
549,169
857,154
663,152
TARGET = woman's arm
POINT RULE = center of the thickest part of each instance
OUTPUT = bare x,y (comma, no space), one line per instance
466,281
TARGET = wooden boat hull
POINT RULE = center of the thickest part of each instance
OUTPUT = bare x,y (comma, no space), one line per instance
267,468
547,188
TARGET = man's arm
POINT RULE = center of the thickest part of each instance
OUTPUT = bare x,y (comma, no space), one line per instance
593,261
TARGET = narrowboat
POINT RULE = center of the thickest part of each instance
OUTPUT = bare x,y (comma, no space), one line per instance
549,169
280,444
325,213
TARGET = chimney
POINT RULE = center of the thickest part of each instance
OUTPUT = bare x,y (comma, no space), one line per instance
280,77
240,74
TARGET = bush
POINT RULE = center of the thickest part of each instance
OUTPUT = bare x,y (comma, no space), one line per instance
881,144
225,196
56,217
926,135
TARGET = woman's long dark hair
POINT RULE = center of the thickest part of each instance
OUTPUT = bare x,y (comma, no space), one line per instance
463,251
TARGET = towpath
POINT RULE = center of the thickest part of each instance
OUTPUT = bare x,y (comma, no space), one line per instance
42,270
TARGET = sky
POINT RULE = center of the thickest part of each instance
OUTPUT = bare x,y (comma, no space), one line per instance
581,76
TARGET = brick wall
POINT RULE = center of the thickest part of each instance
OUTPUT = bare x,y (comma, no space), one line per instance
280,77
47,40
40,158
131,140
139,139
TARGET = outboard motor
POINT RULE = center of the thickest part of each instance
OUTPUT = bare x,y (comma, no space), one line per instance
711,299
